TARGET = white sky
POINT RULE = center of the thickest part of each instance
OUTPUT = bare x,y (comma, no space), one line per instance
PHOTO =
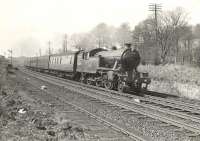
37,21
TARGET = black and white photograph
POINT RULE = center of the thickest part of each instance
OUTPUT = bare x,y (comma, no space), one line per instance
99,70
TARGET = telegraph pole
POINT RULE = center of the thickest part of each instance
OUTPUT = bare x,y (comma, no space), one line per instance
10,51
99,43
155,8
36,59
49,45
40,53
65,43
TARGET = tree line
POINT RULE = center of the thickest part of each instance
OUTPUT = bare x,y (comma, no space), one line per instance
170,40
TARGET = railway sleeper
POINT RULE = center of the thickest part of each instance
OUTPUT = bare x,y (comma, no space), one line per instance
111,106
194,113
125,111
192,134
105,104
94,100
163,124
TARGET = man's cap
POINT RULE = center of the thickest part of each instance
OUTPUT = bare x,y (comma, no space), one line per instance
128,44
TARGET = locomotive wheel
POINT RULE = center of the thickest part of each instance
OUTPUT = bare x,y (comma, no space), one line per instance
82,79
98,83
89,82
120,87
139,87
108,85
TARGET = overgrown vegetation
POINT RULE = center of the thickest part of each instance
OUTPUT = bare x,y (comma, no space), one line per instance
173,73
3,73
182,80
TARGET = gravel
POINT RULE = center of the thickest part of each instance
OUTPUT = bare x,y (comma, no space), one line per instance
147,126
28,113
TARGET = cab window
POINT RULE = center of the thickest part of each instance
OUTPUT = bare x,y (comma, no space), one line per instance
60,60
86,55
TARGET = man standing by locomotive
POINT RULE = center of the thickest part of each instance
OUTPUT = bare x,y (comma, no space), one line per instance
136,54
132,60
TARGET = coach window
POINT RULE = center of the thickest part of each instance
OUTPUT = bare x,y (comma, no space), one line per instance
70,59
86,55
82,55
60,59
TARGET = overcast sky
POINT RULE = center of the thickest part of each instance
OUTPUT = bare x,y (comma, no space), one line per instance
37,21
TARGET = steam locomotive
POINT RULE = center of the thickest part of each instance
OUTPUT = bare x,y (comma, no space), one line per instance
111,69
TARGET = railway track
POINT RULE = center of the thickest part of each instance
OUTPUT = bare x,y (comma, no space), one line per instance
107,130
172,104
183,121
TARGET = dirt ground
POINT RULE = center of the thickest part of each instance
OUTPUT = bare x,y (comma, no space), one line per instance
24,118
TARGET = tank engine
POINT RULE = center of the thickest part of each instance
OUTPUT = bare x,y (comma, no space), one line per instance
114,69
111,69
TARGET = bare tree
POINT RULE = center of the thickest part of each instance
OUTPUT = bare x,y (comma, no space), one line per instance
75,40
65,43
146,31
165,40
175,21
123,34
103,34
83,41
197,31
170,30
